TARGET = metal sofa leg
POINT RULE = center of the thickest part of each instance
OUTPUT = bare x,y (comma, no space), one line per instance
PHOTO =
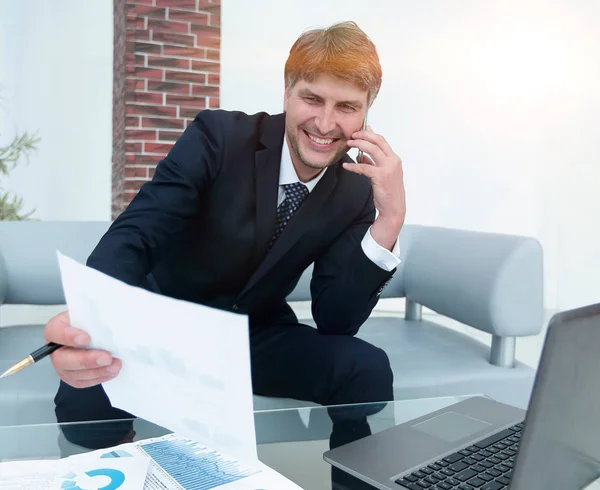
413,311
503,351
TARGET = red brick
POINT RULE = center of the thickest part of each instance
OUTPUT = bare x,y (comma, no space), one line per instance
132,84
140,35
214,79
128,196
140,134
214,103
205,91
168,26
169,135
151,172
165,62
181,4
215,20
210,7
185,76
162,148
130,58
145,160
207,36
150,110
185,16
170,87
140,60
134,22
144,97
132,122
213,54
144,48
136,172
150,11
162,122
133,147
188,113
206,66
187,51
142,72
174,38
183,100
134,185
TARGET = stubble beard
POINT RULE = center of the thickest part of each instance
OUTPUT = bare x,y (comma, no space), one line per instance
295,150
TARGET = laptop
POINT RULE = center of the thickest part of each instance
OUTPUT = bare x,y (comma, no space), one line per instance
481,444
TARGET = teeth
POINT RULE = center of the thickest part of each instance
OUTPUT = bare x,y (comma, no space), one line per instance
319,140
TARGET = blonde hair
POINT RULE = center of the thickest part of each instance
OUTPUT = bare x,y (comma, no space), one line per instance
342,50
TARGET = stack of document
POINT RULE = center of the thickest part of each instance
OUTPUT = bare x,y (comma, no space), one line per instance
185,367
170,462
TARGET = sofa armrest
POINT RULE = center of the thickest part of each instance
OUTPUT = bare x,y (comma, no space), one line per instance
492,282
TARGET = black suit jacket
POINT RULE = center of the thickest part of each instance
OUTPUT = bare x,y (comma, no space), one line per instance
199,230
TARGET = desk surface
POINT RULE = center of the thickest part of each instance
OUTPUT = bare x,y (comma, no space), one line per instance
291,441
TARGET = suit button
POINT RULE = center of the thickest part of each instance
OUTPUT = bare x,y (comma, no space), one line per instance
234,307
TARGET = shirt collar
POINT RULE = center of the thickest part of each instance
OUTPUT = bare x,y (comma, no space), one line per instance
287,172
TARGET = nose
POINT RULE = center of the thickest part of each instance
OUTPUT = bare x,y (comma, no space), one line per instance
325,121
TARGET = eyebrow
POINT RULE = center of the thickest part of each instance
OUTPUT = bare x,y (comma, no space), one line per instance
357,104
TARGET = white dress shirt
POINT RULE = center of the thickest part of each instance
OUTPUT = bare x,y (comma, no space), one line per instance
287,175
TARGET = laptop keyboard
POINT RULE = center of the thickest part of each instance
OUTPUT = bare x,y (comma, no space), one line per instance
486,465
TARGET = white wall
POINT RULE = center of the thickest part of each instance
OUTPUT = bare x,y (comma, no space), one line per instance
56,77
493,107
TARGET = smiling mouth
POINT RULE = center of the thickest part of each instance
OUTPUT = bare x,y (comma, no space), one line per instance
321,141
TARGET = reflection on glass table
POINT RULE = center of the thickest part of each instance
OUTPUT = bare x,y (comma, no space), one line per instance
291,441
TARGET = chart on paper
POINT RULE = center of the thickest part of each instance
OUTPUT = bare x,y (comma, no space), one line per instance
194,466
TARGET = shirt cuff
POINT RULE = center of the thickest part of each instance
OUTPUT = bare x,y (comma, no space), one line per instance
381,256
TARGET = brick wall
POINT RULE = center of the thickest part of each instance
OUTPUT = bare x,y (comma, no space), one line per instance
172,70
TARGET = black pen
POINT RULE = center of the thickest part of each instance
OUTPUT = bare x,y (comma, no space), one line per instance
32,358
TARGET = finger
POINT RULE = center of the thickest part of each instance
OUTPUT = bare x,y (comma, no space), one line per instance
70,359
361,169
375,139
366,159
88,383
59,330
367,147
90,374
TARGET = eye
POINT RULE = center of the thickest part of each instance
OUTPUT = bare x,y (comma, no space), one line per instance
347,108
311,99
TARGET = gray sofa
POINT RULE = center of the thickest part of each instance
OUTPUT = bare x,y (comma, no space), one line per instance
490,282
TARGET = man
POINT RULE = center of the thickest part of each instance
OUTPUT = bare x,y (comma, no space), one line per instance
240,207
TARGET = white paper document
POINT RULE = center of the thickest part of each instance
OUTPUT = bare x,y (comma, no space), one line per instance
186,367
170,462
81,472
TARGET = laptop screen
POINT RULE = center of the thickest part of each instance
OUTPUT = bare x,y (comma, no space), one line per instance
560,448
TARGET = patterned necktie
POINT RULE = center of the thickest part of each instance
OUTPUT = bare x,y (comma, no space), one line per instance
294,195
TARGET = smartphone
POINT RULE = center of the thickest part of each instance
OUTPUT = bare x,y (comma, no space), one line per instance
359,158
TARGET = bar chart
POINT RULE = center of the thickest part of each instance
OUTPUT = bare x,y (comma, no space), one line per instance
194,466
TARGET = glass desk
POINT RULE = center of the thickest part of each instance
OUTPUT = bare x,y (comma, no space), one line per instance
291,441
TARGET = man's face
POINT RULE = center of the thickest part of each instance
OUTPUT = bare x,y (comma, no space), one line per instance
320,117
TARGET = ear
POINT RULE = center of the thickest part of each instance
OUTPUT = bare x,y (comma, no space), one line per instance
285,98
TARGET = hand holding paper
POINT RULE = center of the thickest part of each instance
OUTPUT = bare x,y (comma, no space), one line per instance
76,366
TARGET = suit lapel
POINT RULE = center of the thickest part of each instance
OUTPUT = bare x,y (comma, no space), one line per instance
267,166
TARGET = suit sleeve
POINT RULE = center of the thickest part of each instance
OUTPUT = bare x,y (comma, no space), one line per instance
346,284
162,207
